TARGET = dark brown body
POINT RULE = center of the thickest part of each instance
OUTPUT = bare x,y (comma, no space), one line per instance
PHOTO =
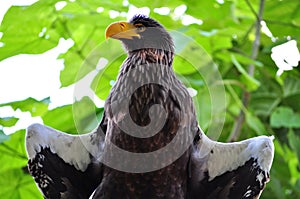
169,181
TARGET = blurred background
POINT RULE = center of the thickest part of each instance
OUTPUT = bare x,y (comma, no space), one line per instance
57,69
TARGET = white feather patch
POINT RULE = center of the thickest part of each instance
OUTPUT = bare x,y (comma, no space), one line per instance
223,157
73,149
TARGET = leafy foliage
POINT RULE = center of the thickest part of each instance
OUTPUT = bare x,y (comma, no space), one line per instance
36,108
226,35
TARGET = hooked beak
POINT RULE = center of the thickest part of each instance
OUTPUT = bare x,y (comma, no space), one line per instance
121,30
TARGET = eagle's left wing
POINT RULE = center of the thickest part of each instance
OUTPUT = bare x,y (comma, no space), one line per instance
236,170
64,166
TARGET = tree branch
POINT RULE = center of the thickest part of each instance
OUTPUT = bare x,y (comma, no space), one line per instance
252,9
235,133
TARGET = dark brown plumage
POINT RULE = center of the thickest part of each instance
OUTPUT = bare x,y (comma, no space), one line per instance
151,54
168,182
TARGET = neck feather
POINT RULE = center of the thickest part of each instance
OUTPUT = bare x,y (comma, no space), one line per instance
147,56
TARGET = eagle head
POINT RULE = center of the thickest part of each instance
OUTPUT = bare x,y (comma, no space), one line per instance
141,32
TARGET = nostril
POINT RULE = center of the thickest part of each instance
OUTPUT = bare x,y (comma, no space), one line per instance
122,25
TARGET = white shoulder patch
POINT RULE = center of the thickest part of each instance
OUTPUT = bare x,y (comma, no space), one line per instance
223,157
73,149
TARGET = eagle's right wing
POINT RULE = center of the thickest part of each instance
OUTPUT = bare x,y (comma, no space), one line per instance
64,166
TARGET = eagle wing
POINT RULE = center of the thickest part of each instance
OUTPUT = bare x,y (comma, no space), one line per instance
236,170
62,165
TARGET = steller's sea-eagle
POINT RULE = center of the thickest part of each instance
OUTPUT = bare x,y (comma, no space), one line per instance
149,143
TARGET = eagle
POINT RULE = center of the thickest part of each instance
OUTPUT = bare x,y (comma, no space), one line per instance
148,143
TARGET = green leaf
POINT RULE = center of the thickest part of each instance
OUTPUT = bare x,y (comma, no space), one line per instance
294,141
213,14
3,137
211,108
8,121
180,40
219,42
291,92
88,35
203,107
255,124
182,66
27,29
115,55
285,117
13,155
86,116
194,80
15,184
168,22
266,98
72,62
81,117
35,107
192,58
283,23
250,82
246,60
157,3
291,86
60,118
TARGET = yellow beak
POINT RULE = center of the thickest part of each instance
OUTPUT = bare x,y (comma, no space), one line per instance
121,30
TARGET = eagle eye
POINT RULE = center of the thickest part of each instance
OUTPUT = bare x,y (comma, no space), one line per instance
140,27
